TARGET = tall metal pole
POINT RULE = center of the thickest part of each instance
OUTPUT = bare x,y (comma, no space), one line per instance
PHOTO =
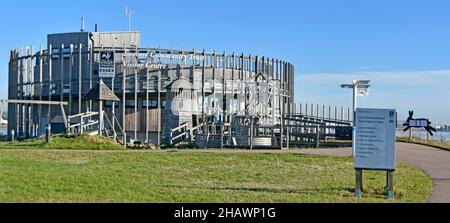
146,106
223,87
135,95
124,73
203,92
32,107
241,84
41,86
159,108
214,82
233,101
91,62
26,106
70,80
113,109
61,75
50,70
281,104
80,72
20,132
273,93
355,94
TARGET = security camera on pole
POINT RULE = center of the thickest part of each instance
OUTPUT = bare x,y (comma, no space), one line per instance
360,88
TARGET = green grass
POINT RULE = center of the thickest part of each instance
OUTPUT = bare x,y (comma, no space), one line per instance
137,176
78,142
432,143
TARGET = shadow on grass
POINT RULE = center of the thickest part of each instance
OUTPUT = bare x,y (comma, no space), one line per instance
337,191
332,190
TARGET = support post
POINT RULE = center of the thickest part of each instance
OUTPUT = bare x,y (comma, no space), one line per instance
61,75
100,117
318,136
48,135
251,134
390,184
358,183
221,134
147,141
323,112
13,91
135,96
70,80
32,94
317,110
223,111
81,124
27,93
12,135
124,72
50,85
203,94
41,87
80,72
355,94
288,135
159,108
91,63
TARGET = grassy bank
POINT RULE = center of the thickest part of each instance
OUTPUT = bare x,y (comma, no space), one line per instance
432,143
81,142
136,176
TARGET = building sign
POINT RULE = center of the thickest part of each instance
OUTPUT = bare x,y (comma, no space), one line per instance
107,67
153,60
375,139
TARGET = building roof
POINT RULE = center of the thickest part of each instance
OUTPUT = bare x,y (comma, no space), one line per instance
100,92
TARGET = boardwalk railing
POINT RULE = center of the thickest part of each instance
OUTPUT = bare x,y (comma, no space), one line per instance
82,122
179,133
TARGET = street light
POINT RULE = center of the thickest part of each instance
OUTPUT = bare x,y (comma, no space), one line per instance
360,88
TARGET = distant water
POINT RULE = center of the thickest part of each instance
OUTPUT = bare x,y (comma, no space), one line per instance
441,136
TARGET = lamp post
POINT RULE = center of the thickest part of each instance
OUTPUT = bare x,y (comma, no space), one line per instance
360,88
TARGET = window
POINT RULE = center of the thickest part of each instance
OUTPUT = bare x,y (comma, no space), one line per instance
55,53
152,104
108,104
66,52
129,104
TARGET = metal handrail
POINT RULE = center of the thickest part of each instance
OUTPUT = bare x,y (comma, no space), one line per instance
184,125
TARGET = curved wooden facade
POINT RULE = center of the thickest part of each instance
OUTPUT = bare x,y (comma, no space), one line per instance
223,84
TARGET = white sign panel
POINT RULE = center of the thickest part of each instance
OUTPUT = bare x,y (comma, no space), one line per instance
375,138
107,67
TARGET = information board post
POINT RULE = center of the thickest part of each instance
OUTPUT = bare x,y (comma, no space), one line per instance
355,95
390,184
375,145
358,183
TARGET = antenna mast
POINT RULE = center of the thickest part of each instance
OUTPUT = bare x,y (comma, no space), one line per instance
128,13
82,24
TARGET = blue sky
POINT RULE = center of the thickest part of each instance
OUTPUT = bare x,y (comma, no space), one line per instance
402,46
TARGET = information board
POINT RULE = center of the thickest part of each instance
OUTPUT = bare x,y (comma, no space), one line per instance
375,139
107,67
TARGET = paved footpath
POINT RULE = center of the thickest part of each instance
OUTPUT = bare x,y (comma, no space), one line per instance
434,162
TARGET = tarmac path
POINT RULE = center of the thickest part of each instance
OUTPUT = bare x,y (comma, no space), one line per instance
434,162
